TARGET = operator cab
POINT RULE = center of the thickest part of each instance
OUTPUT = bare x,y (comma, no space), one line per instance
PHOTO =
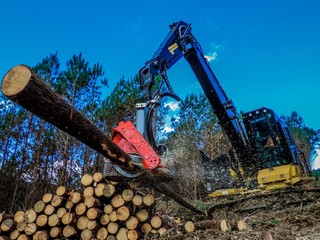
271,139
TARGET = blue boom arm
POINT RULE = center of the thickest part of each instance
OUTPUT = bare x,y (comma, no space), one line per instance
181,43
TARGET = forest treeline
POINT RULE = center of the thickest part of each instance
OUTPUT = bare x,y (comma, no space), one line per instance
35,156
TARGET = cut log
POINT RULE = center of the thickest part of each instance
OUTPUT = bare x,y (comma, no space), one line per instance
80,209
42,220
137,200
14,234
87,180
241,225
69,231
208,224
93,225
8,225
93,213
41,235
123,213
57,201
127,195
122,234
132,223
30,216
82,222
156,222
21,226
69,218
189,226
86,234
76,197
225,226
108,209
222,225
111,237
63,191
88,191
49,210
109,190
112,227
19,216
61,211
142,215
102,233
39,206
117,201
92,202
146,228
104,219
30,229
99,189
26,88
69,205
148,199
23,237
53,220
56,232
133,234
46,198
113,216
98,177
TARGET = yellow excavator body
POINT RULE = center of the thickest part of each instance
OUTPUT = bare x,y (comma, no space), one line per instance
269,179
281,177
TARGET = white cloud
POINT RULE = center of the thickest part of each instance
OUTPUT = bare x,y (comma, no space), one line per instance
174,106
211,56
214,49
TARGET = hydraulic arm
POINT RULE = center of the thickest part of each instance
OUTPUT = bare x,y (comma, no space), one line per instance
181,43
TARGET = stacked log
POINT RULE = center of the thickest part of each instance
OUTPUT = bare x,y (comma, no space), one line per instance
102,210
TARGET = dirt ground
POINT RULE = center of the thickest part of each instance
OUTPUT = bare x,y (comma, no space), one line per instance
286,215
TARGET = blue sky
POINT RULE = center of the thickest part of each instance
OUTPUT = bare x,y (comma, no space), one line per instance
266,53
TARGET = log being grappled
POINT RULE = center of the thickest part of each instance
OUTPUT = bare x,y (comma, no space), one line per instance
27,89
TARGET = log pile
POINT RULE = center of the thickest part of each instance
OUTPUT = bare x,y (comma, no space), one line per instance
102,210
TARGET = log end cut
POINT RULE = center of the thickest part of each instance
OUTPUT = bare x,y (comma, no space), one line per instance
15,80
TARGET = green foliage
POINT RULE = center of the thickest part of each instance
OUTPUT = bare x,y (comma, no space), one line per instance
316,173
48,69
203,206
306,138
34,155
120,104
199,124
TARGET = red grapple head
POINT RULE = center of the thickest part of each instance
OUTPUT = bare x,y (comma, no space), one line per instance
130,140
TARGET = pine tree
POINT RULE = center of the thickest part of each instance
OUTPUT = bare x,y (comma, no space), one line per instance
305,137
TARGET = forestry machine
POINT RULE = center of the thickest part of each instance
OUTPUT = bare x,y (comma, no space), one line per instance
263,150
